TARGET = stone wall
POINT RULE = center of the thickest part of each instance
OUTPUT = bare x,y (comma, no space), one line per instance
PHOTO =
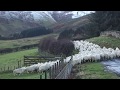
115,34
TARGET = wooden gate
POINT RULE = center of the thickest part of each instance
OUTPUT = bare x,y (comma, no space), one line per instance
30,60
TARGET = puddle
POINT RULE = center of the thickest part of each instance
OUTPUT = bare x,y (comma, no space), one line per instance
112,65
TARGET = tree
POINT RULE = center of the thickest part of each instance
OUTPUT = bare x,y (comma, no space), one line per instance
56,47
106,20
66,47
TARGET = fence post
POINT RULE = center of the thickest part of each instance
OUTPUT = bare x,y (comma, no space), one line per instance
18,64
50,73
46,74
59,66
40,76
4,68
55,69
8,68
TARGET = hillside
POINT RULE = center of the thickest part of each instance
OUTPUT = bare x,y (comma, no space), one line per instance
17,21
106,41
71,24
22,42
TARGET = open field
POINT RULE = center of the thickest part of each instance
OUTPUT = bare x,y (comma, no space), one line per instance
23,41
106,41
12,58
93,71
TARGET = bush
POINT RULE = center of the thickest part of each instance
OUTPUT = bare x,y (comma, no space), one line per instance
54,48
66,47
57,47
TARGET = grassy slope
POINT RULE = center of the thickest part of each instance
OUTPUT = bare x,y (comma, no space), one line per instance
96,70
24,76
22,42
106,41
12,58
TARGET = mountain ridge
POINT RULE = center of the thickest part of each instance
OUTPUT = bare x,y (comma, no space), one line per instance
16,21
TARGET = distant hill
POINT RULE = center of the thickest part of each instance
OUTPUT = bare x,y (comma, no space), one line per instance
12,22
71,24
17,21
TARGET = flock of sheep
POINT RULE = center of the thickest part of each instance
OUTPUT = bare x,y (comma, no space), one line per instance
87,51
90,51
35,68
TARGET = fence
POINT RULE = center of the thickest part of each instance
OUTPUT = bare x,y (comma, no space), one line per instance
11,68
28,60
60,70
64,74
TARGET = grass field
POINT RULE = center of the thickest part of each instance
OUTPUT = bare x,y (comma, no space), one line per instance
93,71
12,58
106,41
23,42
23,76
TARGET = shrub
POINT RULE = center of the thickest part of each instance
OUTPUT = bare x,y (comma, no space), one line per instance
56,47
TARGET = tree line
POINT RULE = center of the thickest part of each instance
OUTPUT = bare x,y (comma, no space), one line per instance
28,33
9,50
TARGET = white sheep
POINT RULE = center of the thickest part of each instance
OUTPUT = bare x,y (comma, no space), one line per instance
19,71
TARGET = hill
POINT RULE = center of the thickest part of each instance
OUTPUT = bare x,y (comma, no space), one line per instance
106,41
71,24
17,21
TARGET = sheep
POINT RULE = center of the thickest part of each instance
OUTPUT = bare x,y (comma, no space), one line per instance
90,51
19,71
32,68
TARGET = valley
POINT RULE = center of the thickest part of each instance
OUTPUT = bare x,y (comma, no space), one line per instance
73,39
